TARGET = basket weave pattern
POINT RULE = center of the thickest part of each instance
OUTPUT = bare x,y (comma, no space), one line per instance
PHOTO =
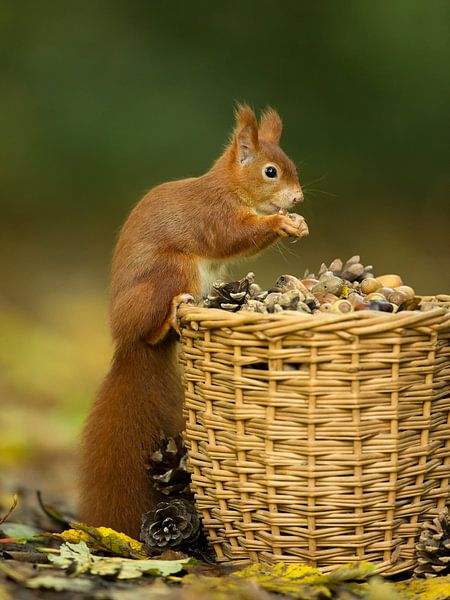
320,439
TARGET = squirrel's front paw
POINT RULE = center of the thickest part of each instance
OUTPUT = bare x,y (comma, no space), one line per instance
171,320
292,225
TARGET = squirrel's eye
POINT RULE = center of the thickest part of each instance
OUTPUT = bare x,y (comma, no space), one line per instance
270,172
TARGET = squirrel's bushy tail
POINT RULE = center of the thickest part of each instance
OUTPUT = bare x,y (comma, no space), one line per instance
141,391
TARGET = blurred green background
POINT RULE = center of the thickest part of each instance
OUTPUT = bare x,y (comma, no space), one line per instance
99,101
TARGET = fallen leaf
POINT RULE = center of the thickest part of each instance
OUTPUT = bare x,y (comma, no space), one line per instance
19,532
60,584
126,568
52,513
435,588
359,571
290,580
78,558
286,579
155,591
11,573
5,595
103,539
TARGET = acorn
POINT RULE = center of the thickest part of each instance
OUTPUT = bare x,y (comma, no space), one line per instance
410,304
406,289
397,297
375,296
354,298
385,291
341,307
358,302
390,280
370,285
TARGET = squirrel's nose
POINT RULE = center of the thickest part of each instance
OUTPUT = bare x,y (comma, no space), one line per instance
298,198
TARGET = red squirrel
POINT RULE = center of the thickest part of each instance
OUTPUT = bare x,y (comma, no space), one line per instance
174,244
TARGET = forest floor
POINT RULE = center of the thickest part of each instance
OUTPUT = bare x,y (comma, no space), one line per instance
52,357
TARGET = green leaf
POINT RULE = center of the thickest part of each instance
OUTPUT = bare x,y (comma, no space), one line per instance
21,533
80,557
125,568
70,555
60,584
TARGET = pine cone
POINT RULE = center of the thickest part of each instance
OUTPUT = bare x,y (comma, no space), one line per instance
168,468
230,296
174,524
433,549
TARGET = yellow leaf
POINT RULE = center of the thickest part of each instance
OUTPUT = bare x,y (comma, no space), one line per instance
104,539
71,535
436,588
286,578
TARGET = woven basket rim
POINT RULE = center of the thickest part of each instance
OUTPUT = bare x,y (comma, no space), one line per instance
188,312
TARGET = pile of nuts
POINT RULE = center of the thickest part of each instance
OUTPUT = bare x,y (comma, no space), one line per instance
337,288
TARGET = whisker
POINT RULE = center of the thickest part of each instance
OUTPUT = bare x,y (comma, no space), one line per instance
280,248
317,190
317,180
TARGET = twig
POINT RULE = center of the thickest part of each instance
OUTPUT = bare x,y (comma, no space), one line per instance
31,557
11,508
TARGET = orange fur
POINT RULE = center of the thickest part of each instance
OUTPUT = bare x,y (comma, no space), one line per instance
230,211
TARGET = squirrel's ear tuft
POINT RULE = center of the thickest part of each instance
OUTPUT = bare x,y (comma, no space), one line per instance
245,136
270,126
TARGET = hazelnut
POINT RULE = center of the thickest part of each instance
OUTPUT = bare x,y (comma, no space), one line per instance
370,285
390,280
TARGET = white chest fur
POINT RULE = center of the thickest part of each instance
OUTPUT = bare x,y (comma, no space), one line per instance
209,271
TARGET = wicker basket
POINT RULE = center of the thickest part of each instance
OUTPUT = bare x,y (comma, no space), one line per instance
319,439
